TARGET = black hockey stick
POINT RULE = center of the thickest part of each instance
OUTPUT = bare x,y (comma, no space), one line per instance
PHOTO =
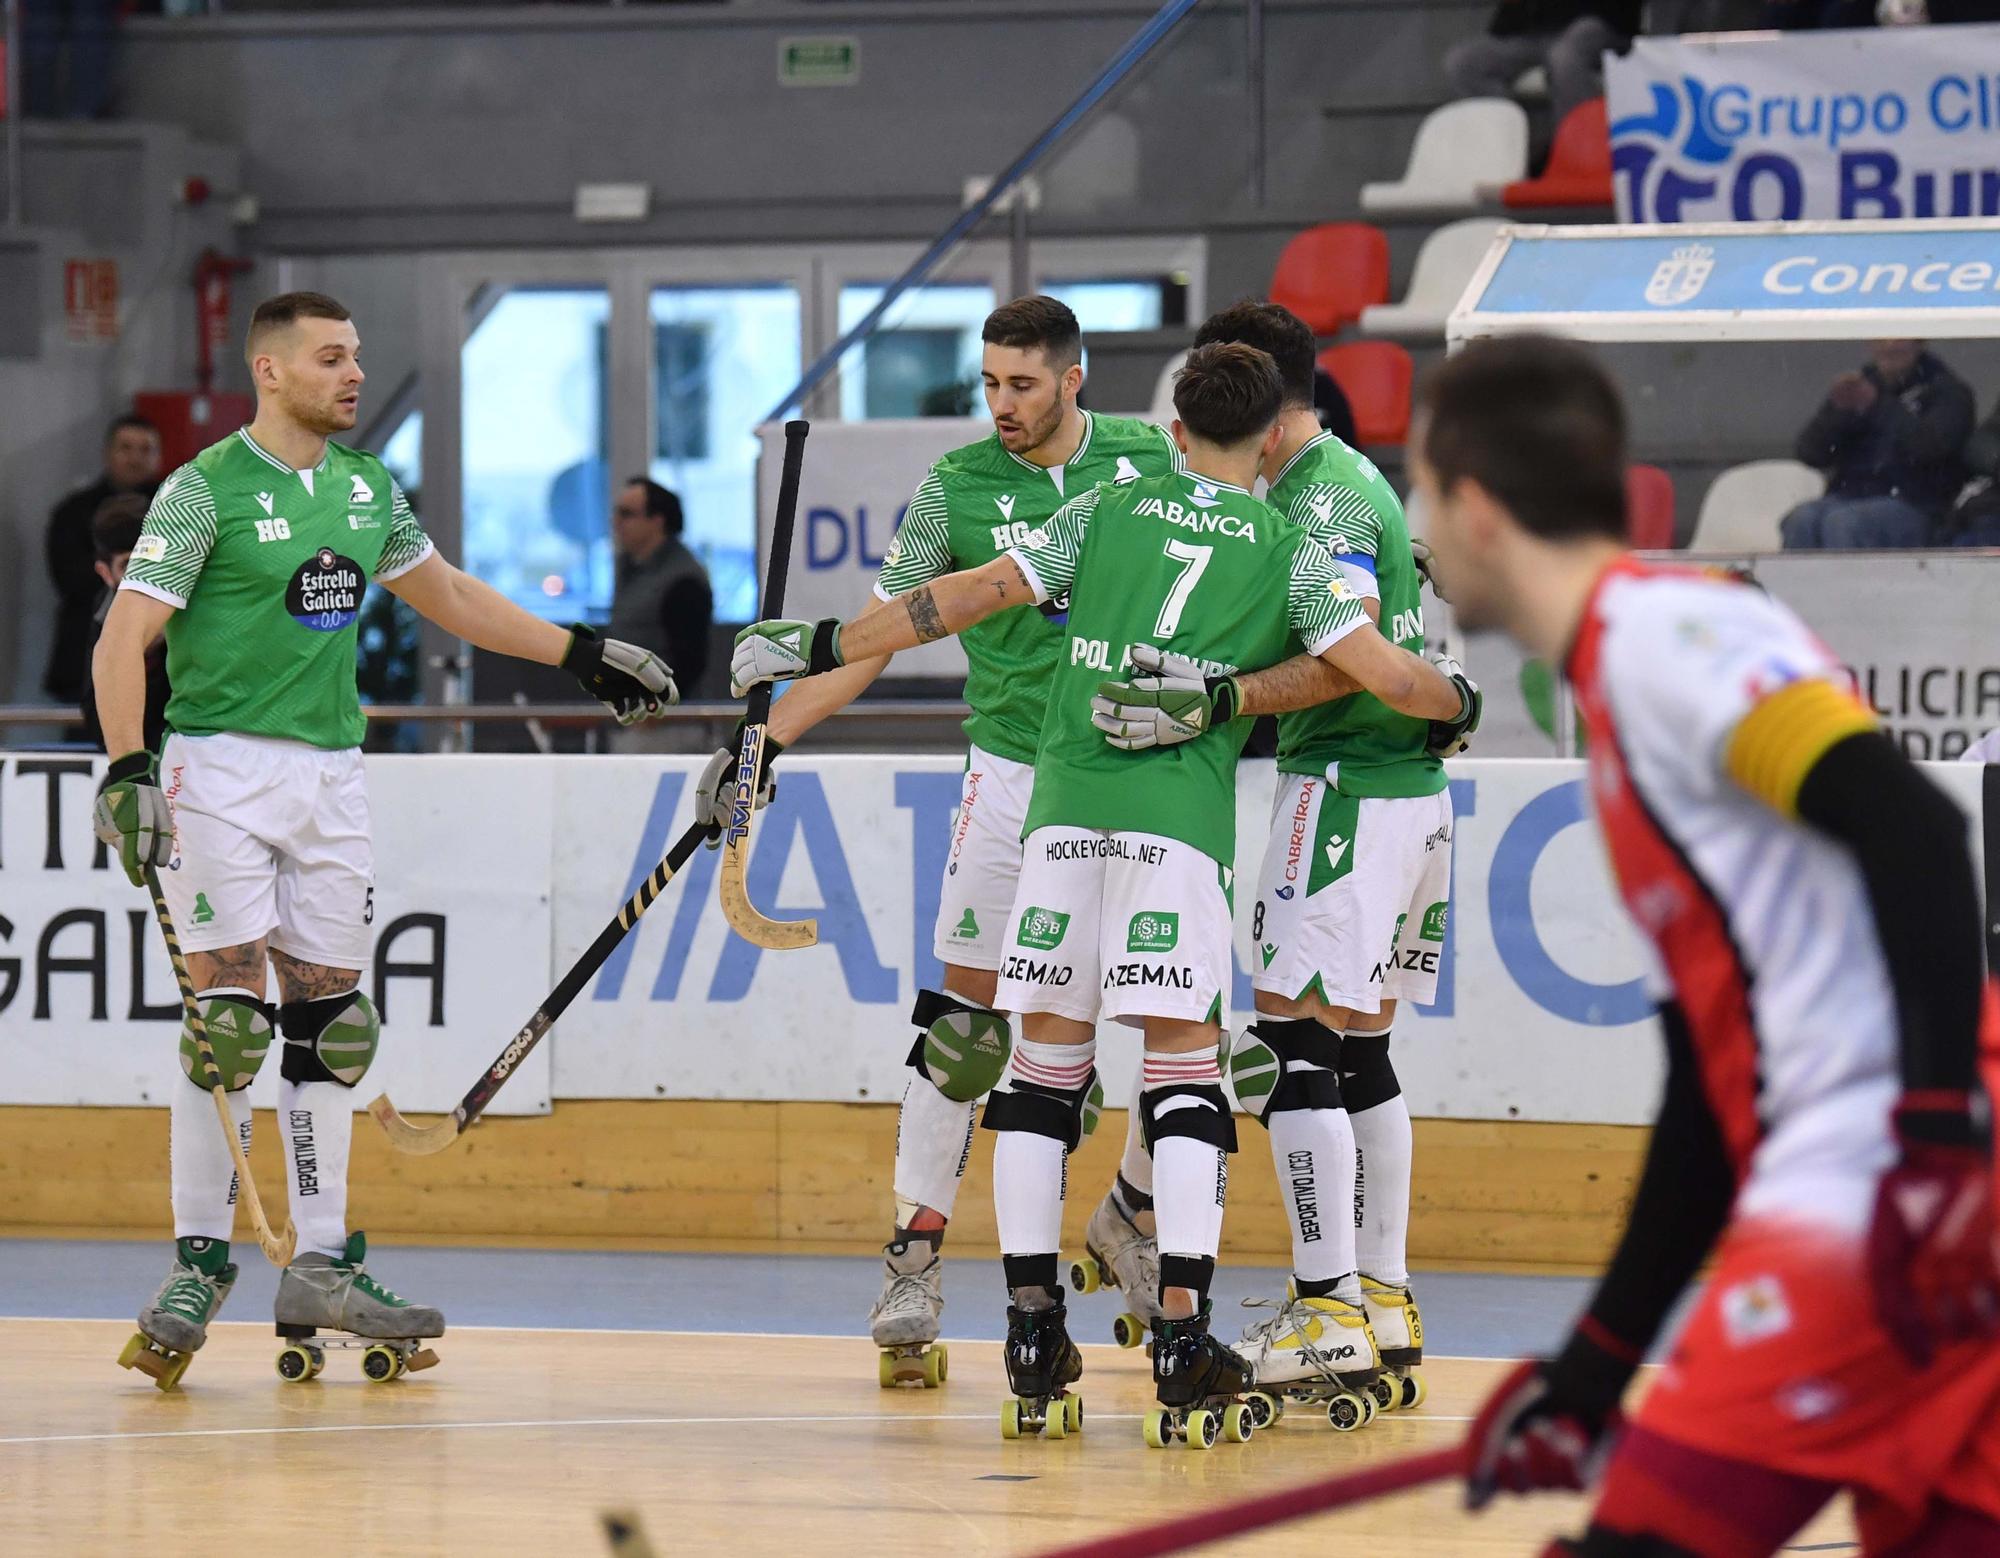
423,1139
742,914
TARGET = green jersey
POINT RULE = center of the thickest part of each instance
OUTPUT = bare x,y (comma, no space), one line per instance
976,503
268,566
1198,568
1359,743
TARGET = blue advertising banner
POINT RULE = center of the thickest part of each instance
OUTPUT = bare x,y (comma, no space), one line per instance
1886,124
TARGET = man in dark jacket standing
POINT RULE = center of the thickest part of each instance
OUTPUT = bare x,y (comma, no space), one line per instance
661,595
131,464
1567,37
1890,438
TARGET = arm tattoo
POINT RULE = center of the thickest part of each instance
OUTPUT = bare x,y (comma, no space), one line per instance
312,981
1300,683
924,615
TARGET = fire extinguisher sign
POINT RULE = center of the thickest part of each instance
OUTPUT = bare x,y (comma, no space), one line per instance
90,299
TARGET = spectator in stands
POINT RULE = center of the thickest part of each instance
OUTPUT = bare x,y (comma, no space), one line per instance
661,599
114,531
1566,37
1889,437
131,464
1976,520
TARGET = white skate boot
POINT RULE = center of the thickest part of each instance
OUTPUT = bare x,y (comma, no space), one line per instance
1319,1351
1399,1332
1118,1253
904,1321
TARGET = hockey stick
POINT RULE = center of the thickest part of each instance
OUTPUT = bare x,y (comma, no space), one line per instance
278,1251
425,1139
742,914
1269,1509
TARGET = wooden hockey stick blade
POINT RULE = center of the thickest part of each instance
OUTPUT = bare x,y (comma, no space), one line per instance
743,916
421,1140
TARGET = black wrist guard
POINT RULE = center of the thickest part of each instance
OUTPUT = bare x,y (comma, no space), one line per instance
825,653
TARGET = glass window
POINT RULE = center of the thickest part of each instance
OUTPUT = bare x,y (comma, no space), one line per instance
537,501
923,361
403,452
721,357
1105,305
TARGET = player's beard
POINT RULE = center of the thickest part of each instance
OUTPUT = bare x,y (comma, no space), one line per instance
1034,435
322,418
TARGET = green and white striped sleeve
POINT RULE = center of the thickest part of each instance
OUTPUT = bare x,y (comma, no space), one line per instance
921,550
1050,555
1323,609
175,541
1341,519
407,544
1177,462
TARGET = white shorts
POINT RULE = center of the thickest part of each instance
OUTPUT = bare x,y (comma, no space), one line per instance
984,865
270,839
1119,925
1352,896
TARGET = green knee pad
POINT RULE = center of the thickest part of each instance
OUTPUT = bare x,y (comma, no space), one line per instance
1254,1072
239,1031
330,1039
963,1049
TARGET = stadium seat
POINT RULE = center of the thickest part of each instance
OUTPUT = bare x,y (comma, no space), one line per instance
1328,274
1579,170
1375,376
1742,507
1649,508
1444,265
1163,392
1461,151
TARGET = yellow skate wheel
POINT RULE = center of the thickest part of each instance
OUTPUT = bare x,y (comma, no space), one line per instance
1075,1413
1413,1391
934,1368
1237,1423
381,1364
176,1367
1265,1408
1347,1412
1153,1428
1010,1419
319,1360
1128,1330
1368,1409
1085,1275
1203,1428
295,1363
885,1371
1055,1419
1386,1391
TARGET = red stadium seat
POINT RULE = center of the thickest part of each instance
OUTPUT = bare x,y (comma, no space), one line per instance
1328,274
1579,170
1375,376
1649,508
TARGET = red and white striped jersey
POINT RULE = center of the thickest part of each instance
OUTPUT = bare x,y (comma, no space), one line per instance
1761,927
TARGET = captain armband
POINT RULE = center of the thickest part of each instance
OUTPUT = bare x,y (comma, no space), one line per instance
1783,737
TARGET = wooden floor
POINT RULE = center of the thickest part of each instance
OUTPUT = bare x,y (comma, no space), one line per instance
722,1443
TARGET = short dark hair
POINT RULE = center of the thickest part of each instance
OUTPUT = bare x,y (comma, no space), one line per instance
1037,321
130,419
661,502
114,528
1228,392
287,309
1538,423
1274,330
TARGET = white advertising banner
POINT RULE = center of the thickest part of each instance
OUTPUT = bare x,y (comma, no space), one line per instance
1888,123
88,1009
858,479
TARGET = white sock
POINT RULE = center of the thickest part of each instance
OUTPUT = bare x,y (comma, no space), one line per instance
1382,1190
1136,1167
1190,1177
1031,1171
933,1141
201,1168
1313,1150
316,1124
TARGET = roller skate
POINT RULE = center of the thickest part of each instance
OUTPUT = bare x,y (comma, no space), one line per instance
1117,1253
1198,1381
1041,1360
904,1321
334,1293
1399,1332
175,1324
1318,1352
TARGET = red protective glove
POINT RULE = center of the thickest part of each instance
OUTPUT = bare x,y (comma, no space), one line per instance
1549,1425
1933,1258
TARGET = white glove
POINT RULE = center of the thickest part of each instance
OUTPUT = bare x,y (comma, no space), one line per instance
1420,554
779,649
1448,736
1169,701
715,791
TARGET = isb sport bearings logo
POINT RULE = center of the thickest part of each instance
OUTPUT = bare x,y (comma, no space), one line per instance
1153,931
1042,929
325,594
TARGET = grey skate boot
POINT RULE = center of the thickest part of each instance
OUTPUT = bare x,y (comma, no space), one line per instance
175,1324
336,1293
1118,1253
904,1321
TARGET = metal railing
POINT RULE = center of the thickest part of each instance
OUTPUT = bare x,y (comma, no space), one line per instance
909,710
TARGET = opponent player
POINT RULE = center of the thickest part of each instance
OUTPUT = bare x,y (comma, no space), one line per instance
1349,915
1123,905
973,504
1824,1135
253,560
